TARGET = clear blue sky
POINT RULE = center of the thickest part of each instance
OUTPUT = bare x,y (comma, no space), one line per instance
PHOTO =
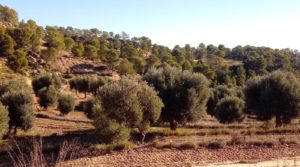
273,23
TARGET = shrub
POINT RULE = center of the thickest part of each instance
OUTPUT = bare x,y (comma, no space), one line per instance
109,130
3,121
188,145
217,93
216,144
88,107
7,43
18,61
96,84
78,50
47,96
184,94
125,68
49,54
20,107
115,146
274,95
66,103
46,80
230,109
260,143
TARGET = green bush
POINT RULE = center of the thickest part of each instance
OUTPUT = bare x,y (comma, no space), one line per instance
66,103
96,84
20,107
217,93
188,145
88,107
18,61
46,80
108,129
125,68
218,144
4,119
47,96
17,84
7,43
230,109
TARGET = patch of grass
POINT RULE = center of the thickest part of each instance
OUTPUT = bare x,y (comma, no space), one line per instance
262,143
233,126
265,129
279,130
284,140
220,132
161,145
206,132
170,145
188,145
112,147
163,131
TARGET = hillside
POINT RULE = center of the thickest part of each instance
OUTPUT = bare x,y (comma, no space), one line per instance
86,97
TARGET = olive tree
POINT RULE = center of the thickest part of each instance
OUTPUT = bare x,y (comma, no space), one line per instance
230,109
184,94
66,103
95,84
16,96
110,130
10,85
274,95
46,80
129,103
81,84
219,92
47,96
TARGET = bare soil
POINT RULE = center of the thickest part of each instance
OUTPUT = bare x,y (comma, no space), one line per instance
197,157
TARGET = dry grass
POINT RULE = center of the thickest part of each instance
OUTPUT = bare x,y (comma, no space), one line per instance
112,147
32,155
164,131
170,145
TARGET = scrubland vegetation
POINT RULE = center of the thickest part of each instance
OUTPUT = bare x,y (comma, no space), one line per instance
181,98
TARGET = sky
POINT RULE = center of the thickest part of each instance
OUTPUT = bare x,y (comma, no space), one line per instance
271,23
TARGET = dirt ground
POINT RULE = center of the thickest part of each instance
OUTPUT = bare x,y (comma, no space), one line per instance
198,157
150,156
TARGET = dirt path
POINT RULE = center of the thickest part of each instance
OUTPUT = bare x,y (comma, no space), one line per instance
284,162
172,157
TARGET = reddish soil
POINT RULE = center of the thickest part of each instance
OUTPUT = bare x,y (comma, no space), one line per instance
172,157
